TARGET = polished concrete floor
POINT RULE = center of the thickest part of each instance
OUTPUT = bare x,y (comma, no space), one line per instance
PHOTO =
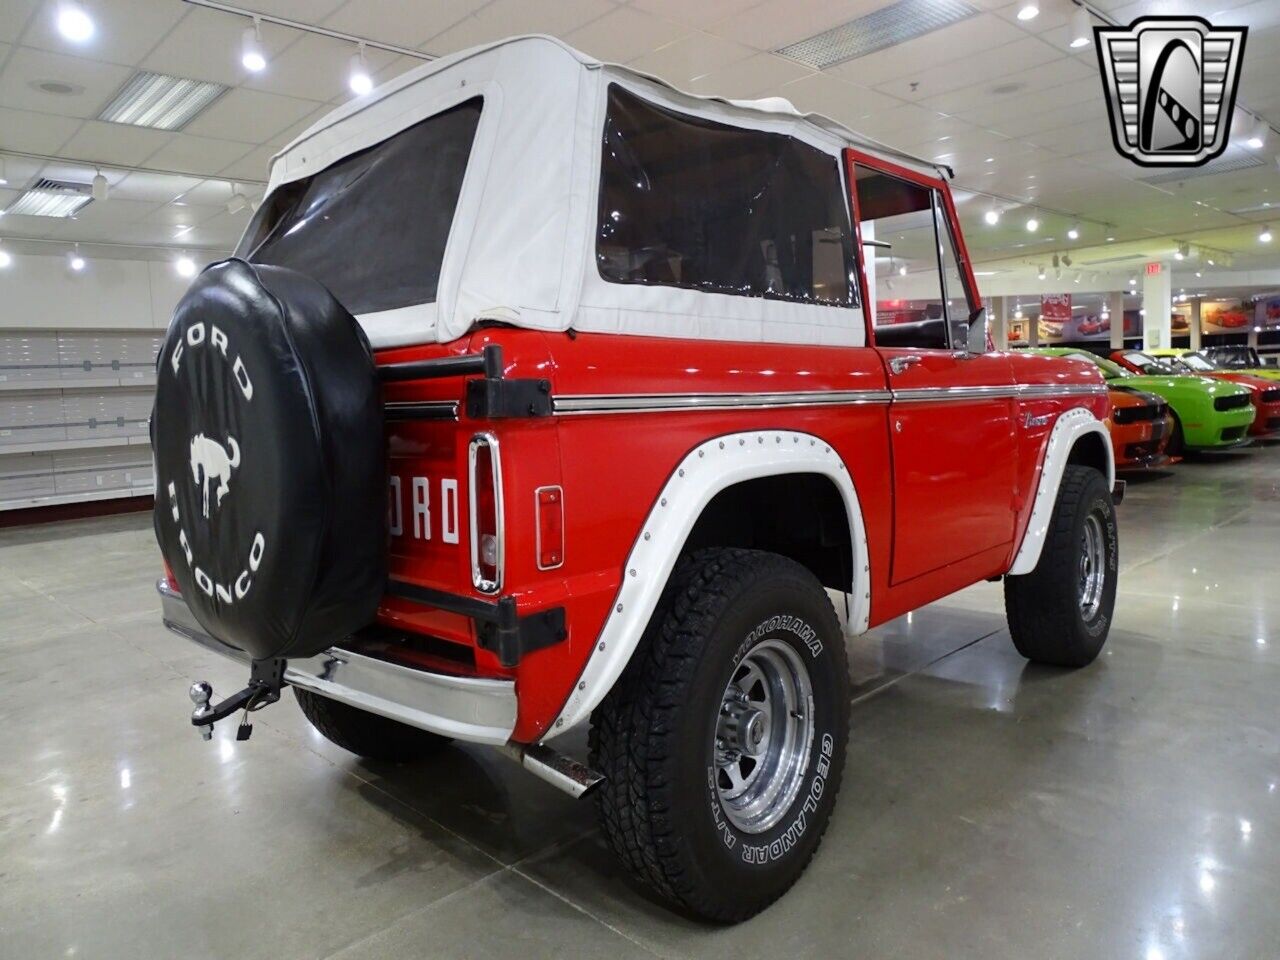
990,808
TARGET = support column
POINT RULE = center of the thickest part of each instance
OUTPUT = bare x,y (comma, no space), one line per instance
1195,324
1253,337
999,317
1033,331
1115,306
1157,301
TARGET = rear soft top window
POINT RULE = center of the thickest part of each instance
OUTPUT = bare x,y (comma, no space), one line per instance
373,226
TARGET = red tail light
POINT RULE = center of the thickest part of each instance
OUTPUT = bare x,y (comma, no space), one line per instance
486,513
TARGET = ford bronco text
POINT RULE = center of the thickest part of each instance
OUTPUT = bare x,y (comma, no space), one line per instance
539,394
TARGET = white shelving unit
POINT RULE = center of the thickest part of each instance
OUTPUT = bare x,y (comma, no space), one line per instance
74,406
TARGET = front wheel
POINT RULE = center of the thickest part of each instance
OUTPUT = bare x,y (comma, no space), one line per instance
724,740
1060,612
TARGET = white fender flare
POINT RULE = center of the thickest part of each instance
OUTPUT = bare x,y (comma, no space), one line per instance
706,470
1070,427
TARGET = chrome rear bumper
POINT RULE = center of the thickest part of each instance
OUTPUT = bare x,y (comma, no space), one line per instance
466,708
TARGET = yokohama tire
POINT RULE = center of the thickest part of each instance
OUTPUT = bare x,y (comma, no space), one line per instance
1060,612
659,737
366,734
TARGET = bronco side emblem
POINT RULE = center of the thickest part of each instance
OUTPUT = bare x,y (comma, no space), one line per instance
1170,84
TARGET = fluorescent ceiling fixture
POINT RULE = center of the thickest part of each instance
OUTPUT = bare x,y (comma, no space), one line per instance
887,27
160,101
51,198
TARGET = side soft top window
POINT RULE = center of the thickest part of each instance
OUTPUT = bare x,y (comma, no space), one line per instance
687,202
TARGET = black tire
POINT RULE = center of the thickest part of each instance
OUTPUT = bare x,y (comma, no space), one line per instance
1177,443
655,737
367,734
1046,618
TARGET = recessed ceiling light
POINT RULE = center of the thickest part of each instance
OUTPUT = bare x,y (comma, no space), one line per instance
160,101
56,88
1265,235
992,216
5,259
1074,232
74,22
887,27
51,198
1032,225
1028,11
185,267
989,160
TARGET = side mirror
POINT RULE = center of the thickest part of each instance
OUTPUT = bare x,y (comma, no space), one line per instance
969,337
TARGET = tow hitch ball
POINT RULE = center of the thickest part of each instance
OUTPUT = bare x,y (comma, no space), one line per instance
266,678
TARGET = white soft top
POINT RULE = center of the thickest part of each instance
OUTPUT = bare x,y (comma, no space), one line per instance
521,248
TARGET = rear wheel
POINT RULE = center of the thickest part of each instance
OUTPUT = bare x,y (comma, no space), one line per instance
366,734
1060,613
723,743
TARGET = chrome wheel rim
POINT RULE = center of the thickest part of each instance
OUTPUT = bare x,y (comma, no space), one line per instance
764,733
1093,566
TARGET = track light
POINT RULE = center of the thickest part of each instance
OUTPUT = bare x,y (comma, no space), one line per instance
1032,224
185,267
74,22
74,260
1028,11
992,217
358,78
1265,235
1066,259
1133,281
1079,276
4,178
1105,314
902,270
100,187
5,259
1081,29
1040,273
1057,273
1258,135
1056,261
251,54
1017,313
1074,232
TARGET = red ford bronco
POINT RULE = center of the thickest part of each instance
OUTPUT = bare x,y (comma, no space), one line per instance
541,394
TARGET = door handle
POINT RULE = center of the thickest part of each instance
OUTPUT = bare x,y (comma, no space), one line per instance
900,364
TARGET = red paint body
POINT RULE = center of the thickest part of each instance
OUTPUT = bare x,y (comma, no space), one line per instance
945,488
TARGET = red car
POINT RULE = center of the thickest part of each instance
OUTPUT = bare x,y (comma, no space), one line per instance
1264,394
540,395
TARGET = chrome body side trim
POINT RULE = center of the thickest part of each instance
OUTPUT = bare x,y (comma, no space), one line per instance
466,708
421,410
670,402
667,402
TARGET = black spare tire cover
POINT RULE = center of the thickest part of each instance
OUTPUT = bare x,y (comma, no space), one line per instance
270,472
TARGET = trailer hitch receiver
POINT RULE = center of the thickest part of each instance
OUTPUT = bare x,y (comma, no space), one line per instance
266,679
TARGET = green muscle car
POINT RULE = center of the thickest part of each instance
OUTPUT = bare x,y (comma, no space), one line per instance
1208,414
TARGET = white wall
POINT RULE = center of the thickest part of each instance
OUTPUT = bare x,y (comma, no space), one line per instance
42,292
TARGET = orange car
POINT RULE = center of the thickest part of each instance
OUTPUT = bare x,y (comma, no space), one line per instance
1140,425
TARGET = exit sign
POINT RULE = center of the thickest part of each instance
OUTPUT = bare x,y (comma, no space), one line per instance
1153,269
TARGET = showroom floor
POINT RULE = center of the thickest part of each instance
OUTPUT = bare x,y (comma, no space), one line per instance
989,808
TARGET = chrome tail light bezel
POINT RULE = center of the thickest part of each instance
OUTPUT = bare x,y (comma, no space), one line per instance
478,579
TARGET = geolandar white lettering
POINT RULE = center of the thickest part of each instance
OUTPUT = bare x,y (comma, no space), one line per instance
427,523
196,336
776,848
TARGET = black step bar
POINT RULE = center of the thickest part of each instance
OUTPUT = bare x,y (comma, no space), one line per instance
491,397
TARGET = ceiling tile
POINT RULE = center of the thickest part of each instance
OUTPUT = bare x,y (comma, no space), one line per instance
1022,55
250,116
504,18
691,56
186,153
758,76
14,17
253,166
34,132
156,187
114,143
95,83
624,34
770,25
1037,84
114,211
403,24
834,98
696,14
127,30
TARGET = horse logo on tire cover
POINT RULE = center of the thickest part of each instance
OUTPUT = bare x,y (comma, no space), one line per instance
212,464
